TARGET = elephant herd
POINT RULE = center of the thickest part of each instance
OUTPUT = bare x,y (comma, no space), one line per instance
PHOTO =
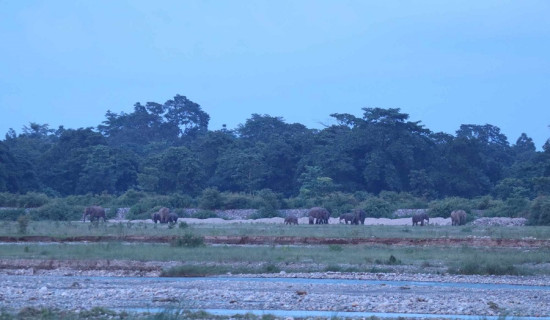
164,215
319,215
316,215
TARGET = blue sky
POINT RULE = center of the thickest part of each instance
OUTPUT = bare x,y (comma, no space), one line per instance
445,63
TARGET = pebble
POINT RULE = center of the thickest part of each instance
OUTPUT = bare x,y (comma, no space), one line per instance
120,292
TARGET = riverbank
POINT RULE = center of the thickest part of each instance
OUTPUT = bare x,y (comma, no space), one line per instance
333,292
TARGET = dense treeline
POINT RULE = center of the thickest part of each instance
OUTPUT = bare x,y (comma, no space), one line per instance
167,149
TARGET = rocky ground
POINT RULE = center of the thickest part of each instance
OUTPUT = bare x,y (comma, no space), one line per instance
334,292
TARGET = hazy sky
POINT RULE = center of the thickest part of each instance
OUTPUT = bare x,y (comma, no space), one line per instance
445,63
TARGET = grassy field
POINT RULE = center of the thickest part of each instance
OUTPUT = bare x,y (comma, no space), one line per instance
199,259
62,229
220,259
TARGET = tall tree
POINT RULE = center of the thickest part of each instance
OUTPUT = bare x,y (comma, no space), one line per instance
280,147
8,179
176,169
187,115
385,147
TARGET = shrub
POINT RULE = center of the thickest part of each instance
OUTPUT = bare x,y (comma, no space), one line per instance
539,213
484,267
443,208
204,214
8,199
188,240
57,210
338,202
131,197
515,207
269,204
33,200
143,209
82,200
177,200
377,208
239,201
271,268
299,202
22,223
403,200
11,214
211,199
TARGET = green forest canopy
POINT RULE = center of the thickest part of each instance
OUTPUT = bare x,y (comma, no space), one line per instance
167,148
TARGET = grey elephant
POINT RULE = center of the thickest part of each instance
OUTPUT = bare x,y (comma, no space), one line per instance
419,218
163,214
318,215
94,212
156,217
172,218
359,216
291,219
347,217
458,217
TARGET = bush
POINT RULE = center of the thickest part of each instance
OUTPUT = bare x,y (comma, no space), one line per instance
131,197
82,200
183,225
22,223
269,204
57,210
403,200
337,203
539,213
144,208
481,266
188,240
11,214
177,200
377,208
8,200
211,199
204,214
239,201
516,207
33,200
443,208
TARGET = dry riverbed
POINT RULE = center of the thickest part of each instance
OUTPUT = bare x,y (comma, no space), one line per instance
134,285
334,292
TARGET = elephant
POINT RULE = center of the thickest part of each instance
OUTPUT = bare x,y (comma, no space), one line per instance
420,217
458,217
156,217
360,216
172,218
291,219
347,217
94,212
163,214
318,215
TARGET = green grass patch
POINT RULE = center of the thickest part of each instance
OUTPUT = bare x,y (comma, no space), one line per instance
63,229
210,270
188,240
272,259
98,313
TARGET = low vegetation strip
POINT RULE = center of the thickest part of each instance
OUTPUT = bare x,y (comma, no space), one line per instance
290,240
